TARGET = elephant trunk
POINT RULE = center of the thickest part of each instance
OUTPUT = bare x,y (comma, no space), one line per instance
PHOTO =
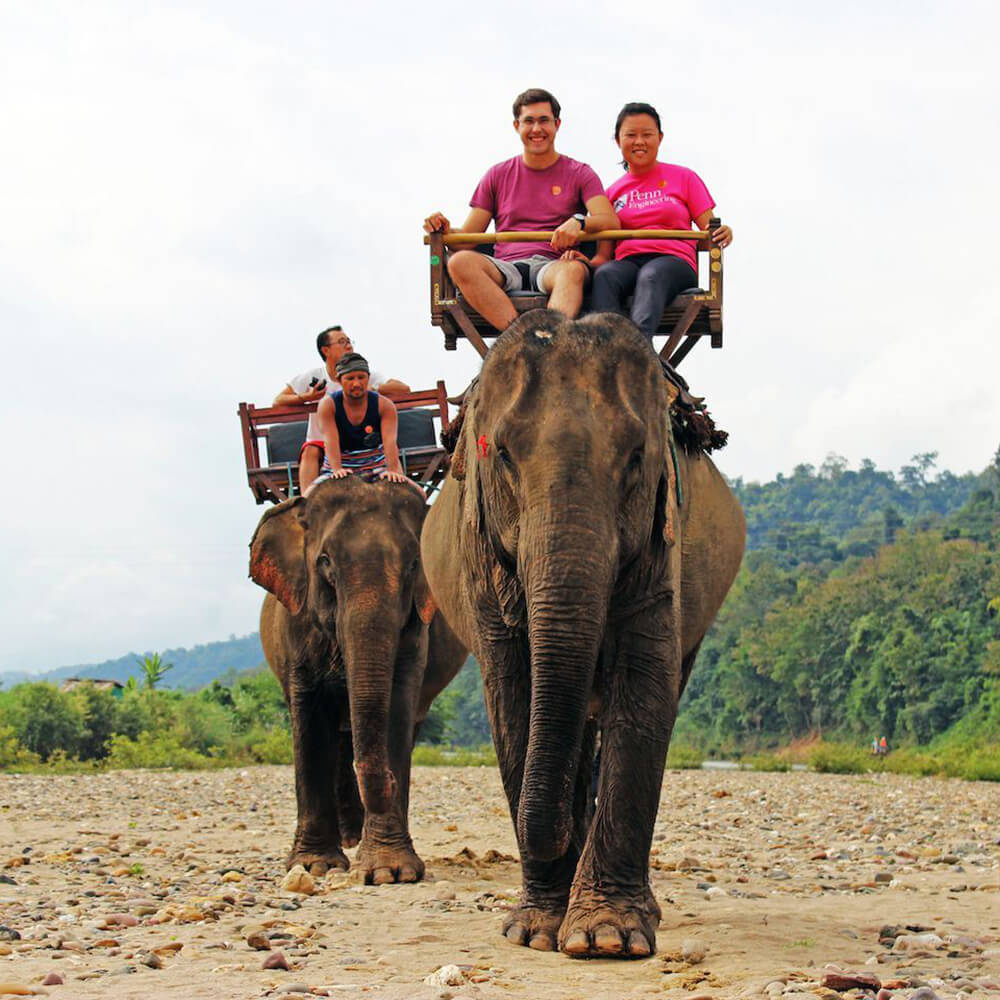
567,583
369,659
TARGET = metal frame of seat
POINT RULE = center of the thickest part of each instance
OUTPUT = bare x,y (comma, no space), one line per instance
691,316
427,465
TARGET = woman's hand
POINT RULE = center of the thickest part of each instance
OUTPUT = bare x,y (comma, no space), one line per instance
723,236
574,255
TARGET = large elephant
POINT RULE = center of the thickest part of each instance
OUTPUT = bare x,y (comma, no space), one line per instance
351,632
583,564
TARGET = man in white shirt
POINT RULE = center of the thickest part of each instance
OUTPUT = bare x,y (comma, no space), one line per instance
313,385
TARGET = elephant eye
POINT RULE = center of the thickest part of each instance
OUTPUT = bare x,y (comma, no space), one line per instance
504,456
323,561
635,459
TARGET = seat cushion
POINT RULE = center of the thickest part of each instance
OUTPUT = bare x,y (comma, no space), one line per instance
416,429
284,442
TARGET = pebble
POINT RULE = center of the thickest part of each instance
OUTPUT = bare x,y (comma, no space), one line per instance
446,975
276,960
52,979
257,939
843,981
693,951
297,879
9,934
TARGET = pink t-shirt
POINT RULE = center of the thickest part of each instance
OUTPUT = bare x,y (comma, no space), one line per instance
520,198
667,197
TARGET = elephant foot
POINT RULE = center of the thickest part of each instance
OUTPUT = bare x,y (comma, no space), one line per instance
351,822
607,925
534,926
383,865
318,862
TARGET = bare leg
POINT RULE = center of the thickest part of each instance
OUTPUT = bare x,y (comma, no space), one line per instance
564,281
309,467
482,285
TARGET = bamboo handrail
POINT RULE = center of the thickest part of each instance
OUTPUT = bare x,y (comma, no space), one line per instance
478,239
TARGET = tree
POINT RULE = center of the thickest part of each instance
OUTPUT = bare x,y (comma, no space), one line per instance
153,669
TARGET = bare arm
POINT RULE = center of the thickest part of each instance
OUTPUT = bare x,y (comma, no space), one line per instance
477,222
331,438
600,215
289,397
723,235
393,387
387,416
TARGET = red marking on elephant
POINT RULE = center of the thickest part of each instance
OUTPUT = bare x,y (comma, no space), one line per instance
265,571
426,608
482,445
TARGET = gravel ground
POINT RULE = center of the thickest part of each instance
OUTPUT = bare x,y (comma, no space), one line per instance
140,884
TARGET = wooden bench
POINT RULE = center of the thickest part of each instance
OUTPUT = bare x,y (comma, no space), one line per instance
694,314
283,430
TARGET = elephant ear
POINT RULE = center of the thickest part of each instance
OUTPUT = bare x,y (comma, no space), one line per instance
666,500
458,459
423,599
277,554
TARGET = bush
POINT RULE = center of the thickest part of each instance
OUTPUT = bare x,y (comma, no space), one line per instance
684,757
148,750
274,747
436,756
13,756
840,758
768,762
46,720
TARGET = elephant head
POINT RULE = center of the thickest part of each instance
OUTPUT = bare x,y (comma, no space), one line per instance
346,559
567,508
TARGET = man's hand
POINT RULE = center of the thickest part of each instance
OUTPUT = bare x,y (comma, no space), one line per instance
567,235
575,255
436,223
391,477
311,395
723,236
340,473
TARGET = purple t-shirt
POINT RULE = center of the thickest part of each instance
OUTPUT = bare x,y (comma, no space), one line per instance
667,197
520,198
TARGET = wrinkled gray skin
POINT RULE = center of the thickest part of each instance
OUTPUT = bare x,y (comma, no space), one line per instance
351,632
562,558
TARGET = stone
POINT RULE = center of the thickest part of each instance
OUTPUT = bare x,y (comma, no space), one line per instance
257,939
52,979
9,934
916,942
924,993
276,960
693,951
120,920
18,990
715,892
843,981
446,975
150,959
297,879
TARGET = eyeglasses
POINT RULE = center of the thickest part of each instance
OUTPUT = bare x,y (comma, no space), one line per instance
343,341
544,121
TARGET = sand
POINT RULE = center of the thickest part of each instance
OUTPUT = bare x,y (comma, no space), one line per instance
768,884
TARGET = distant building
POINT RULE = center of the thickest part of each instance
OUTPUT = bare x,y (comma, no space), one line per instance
72,683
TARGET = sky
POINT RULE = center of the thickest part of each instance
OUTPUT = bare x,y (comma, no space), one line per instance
190,192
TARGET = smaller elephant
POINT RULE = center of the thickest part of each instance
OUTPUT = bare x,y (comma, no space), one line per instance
351,631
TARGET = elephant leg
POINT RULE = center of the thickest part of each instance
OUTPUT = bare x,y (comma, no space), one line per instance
350,811
315,713
545,884
612,911
386,853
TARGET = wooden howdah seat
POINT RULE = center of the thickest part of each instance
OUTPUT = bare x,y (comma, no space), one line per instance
283,430
694,314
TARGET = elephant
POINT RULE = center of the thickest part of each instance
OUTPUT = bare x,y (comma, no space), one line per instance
582,556
351,631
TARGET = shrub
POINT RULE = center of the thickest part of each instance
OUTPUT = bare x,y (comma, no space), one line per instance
839,758
148,750
274,747
768,762
12,755
684,757
437,756
46,720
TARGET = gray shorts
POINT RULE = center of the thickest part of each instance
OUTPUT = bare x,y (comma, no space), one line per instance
514,279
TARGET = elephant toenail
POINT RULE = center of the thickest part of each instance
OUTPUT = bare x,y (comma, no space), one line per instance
607,939
638,945
542,942
515,934
577,944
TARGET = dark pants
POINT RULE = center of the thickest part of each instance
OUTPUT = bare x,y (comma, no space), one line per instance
653,280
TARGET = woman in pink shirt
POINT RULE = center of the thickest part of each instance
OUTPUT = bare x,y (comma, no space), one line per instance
651,195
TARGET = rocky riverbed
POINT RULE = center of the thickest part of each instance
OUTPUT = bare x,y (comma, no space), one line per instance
150,884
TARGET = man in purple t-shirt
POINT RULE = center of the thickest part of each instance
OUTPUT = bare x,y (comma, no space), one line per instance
538,190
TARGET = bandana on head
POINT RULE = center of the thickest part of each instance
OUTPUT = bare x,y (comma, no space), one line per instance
352,362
